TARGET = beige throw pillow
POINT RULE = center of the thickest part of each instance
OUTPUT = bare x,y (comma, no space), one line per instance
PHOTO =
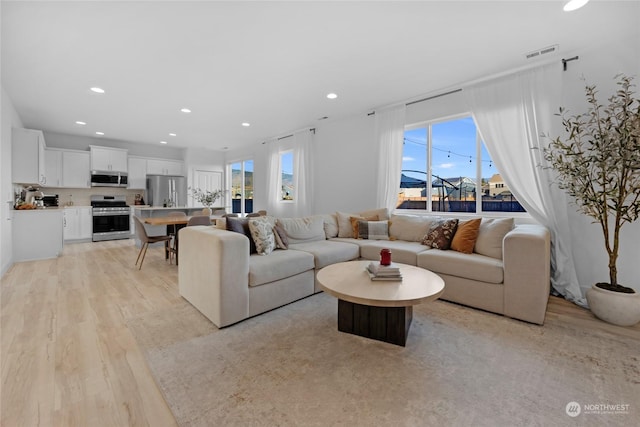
490,236
410,228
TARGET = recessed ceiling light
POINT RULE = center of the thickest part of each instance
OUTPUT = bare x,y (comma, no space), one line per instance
172,134
163,142
97,90
245,124
80,123
574,4
100,133
332,96
185,110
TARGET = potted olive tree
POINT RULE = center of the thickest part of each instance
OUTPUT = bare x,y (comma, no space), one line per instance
598,165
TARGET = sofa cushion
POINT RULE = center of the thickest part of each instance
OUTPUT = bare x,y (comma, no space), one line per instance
373,230
241,225
329,252
440,234
262,233
278,265
469,266
411,228
401,251
300,230
466,234
345,228
491,234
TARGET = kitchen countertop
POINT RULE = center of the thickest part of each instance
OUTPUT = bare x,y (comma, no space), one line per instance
162,208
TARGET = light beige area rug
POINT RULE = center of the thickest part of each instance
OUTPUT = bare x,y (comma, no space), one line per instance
291,367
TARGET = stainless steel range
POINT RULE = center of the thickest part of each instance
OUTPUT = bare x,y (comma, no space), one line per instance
110,218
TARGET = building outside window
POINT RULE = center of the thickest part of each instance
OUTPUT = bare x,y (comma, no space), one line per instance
447,168
241,187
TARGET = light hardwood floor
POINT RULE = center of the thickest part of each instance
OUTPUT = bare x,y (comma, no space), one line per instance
67,356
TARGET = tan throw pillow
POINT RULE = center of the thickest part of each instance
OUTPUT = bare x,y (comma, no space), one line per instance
282,241
354,223
440,234
490,236
345,228
466,234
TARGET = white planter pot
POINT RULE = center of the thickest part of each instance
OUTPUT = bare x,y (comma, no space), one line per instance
614,307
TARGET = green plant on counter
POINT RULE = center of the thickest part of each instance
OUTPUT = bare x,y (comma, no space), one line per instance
207,198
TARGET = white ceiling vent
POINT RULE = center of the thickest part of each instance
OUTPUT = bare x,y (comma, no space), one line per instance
543,51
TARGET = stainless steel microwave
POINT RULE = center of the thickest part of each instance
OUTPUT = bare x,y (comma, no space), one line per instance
108,179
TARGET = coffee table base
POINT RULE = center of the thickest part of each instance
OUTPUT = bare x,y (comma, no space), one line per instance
388,324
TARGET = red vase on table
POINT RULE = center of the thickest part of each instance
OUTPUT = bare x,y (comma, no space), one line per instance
385,257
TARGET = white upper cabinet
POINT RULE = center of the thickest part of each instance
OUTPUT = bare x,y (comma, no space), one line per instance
67,168
28,156
108,159
76,169
165,167
53,167
137,173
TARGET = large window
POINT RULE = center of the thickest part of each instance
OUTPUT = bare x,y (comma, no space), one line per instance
446,168
286,176
242,187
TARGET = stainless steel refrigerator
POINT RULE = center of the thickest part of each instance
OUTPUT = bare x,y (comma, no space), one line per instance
167,190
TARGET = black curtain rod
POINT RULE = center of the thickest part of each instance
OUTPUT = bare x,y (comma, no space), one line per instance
433,97
289,136
424,99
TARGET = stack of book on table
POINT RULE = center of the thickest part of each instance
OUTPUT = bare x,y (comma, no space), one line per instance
383,272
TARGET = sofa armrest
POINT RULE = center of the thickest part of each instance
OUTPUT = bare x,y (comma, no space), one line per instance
527,269
213,273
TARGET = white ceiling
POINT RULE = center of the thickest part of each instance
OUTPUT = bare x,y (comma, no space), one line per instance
267,63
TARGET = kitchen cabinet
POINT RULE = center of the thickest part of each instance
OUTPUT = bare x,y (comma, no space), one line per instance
76,169
165,167
77,223
137,173
37,234
53,167
108,159
28,156
67,168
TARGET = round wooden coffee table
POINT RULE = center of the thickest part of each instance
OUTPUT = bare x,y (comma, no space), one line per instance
380,310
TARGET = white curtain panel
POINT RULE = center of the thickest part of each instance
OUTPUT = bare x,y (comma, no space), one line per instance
303,172
515,117
389,131
273,168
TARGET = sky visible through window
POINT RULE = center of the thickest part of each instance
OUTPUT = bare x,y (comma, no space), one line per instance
454,151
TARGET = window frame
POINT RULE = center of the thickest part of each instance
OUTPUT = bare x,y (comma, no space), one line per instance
428,124
243,199
294,196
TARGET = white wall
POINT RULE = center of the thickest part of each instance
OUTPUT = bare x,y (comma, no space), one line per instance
345,163
9,119
599,65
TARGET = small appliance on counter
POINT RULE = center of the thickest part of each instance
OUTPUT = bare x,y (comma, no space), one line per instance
50,200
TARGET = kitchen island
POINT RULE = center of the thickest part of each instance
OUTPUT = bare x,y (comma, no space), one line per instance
146,211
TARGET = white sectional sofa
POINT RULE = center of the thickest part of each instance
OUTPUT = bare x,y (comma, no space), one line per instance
508,272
